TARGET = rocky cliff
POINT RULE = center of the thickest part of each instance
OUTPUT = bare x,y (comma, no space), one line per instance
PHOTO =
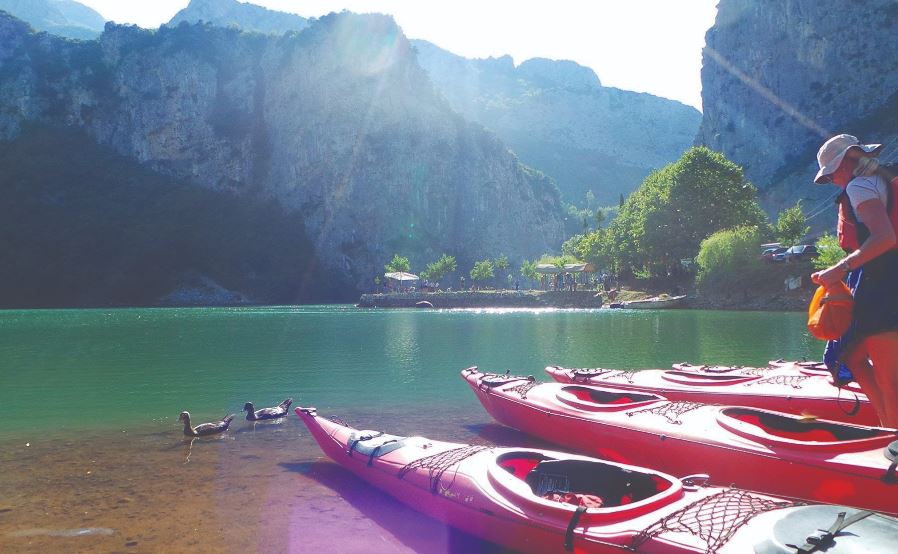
65,18
811,69
338,124
557,116
231,13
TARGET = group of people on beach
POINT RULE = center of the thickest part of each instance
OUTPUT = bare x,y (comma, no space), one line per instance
868,218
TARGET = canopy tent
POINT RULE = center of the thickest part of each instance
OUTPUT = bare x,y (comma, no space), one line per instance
401,276
548,269
551,269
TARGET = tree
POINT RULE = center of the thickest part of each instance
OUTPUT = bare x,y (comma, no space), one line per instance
595,249
500,265
791,226
440,268
528,271
398,263
678,206
569,248
728,260
830,252
482,271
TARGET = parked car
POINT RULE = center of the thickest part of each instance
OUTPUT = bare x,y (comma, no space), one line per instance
798,252
768,255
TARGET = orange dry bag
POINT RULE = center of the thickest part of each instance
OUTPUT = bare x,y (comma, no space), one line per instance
830,312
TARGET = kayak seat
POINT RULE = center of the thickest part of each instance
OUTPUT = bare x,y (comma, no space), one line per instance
794,428
614,485
520,466
597,396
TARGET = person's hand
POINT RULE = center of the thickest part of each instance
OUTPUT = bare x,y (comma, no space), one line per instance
829,276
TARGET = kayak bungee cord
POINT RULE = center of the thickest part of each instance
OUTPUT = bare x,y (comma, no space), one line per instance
437,464
714,519
522,389
793,381
671,411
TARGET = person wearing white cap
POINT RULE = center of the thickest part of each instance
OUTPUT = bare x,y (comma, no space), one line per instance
868,219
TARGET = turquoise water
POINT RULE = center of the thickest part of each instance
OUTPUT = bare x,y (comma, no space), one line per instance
92,458
88,370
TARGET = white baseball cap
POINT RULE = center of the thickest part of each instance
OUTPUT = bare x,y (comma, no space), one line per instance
830,155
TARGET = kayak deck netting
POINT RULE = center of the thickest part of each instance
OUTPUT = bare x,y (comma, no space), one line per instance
713,519
793,381
437,464
669,410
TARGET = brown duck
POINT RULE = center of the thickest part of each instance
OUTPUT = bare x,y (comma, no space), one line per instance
205,429
267,413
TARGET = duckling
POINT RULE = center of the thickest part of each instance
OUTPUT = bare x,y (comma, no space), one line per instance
205,429
267,413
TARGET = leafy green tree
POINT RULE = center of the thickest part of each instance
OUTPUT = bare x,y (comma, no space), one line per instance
500,265
528,271
595,249
678,206
830,252
728,260
482,271
440,268
791,226
398,263
571,245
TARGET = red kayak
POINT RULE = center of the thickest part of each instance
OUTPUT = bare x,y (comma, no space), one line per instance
750,448
789,391
536,500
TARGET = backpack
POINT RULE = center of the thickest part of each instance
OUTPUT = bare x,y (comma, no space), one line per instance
851,232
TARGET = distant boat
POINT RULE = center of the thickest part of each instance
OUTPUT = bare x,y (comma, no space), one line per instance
655,303
423,304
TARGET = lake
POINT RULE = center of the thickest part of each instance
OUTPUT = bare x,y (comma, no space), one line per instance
91,452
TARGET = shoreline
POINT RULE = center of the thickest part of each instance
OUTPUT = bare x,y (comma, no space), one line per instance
792,301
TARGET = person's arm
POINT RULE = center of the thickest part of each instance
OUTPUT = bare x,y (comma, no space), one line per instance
882,238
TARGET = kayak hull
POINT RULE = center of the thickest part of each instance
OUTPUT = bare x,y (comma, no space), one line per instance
484,491
817,461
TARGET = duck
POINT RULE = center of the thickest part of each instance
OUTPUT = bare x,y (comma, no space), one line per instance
205,429
267,413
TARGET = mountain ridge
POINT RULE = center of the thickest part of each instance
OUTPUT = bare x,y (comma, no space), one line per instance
65,18
249,17
337,124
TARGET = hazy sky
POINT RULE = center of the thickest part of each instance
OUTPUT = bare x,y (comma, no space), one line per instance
641,45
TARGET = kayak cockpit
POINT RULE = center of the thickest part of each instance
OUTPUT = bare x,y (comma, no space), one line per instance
567,483
600,399
793,430
706,379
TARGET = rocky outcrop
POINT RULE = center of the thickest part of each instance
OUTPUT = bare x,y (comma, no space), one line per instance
811,70
65,18
231,13
338,124
557,116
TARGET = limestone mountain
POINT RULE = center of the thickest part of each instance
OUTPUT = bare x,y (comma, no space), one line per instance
231,13
557,116
335,132
811,70
65,18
